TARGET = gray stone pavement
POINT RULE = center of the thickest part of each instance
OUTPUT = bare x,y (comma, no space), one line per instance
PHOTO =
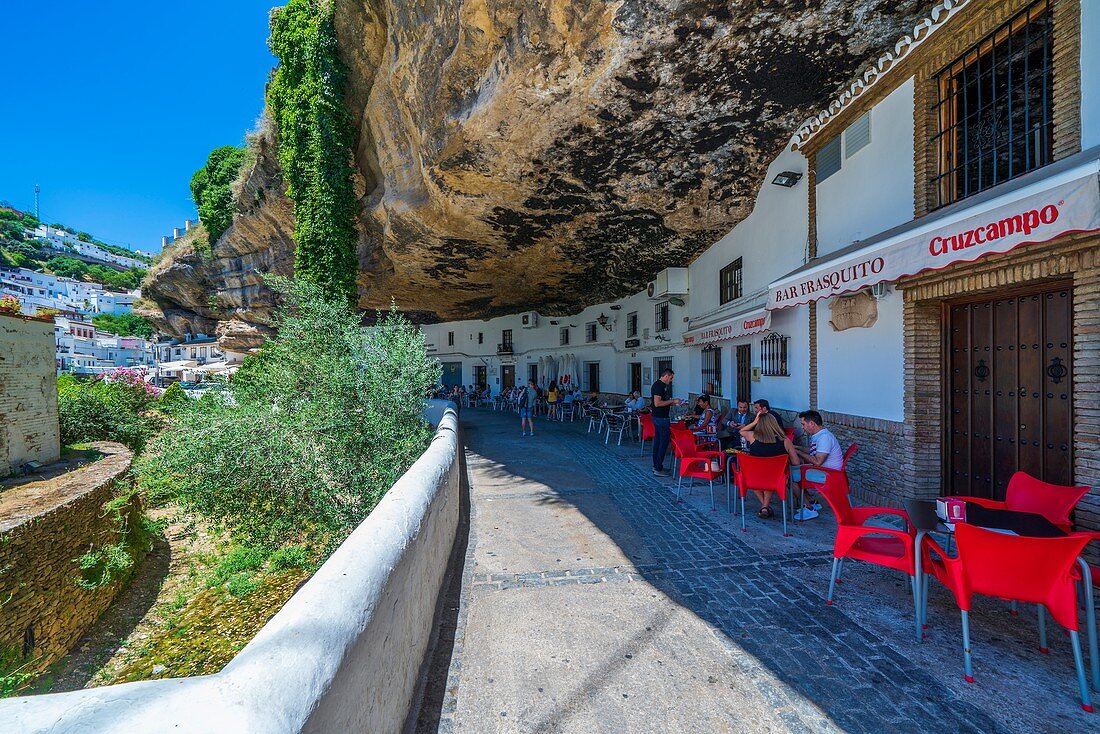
592,602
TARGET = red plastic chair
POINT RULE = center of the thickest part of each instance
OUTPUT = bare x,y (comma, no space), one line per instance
789,431
645,420
696,464
1039,571
855,539
1025,493
763,474
840,475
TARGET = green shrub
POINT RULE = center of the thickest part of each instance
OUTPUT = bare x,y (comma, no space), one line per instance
211,188
173,399
109,408
242,584
310,432
240,558
289,556
104,565
124,324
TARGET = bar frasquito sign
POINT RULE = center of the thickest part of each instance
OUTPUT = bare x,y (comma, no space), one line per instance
1039,216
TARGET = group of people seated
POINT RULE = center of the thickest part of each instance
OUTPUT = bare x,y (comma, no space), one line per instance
462,394
759,431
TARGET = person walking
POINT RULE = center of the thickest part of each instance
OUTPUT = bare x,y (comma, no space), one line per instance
661,392
527,408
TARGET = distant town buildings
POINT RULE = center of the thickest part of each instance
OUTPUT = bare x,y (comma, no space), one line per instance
63,241
36,290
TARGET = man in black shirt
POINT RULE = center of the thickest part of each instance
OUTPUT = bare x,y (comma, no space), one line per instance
661,393
762,406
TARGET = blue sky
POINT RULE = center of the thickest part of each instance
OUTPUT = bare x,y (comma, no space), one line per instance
112,105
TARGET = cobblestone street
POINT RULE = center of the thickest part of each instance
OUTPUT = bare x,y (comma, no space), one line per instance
591,601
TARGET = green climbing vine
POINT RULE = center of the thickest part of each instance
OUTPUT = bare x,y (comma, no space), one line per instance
315,139
211,188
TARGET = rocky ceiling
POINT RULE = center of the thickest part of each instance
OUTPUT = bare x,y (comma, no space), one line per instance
542,154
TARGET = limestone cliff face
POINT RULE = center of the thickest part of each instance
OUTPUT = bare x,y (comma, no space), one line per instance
516,154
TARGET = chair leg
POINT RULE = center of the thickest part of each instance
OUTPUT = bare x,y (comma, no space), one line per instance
924,602
712,495
1013,609
1090,621
679,484
832,581
966,648
785,533
743,530
840,572
1043,631
1075,640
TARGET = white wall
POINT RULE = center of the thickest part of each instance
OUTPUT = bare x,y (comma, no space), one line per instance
873,190
344,654
1090,74
862,371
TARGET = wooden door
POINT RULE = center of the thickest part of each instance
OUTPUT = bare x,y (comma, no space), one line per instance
1010,391
480,377
507,377
744,372
636,376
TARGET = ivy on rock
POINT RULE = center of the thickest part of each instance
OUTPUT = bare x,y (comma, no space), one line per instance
315,141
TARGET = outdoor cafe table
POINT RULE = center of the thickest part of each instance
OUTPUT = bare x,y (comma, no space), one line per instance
922,514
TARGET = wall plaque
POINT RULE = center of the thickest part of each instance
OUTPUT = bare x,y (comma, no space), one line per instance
632,343
859,310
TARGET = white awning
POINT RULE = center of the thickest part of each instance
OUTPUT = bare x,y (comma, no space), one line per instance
746,324
1039,207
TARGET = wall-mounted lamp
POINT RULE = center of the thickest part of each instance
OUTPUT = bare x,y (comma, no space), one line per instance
787,179
676,301
605,322
880,291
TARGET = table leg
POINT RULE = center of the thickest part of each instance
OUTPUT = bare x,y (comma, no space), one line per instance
918,587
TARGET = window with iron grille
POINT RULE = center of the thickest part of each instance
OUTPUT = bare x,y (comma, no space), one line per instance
563,336
660,316
590,331
994,112
712,371
632,324
450,338
506,339
729,282
773,355
660,364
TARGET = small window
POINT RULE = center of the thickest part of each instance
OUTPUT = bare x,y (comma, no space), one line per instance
712,371
632,324
858,135
563,336
827,161
729,282
506,340
480,338
773,355
450,338
660,316
660,364
590,331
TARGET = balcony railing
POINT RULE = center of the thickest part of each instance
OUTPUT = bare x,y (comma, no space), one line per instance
504,348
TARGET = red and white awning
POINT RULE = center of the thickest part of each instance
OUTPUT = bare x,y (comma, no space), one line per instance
747,324
1066,201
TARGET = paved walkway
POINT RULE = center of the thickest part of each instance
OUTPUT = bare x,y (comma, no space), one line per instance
592,602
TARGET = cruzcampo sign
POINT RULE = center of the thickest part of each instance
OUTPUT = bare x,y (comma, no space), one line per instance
1068,202
755,322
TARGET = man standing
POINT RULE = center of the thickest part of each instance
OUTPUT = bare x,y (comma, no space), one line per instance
527,408
661,393
824,451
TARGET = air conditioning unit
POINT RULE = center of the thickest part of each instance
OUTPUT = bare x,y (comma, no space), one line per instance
529,320
669,282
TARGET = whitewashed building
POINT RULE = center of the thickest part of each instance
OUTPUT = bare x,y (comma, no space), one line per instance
63,241
922,265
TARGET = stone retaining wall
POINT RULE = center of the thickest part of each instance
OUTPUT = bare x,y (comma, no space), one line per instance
44,526
28,393
344,654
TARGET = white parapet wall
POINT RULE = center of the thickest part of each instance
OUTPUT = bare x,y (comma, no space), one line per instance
344,654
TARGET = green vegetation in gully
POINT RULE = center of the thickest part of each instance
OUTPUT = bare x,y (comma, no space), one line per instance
211,188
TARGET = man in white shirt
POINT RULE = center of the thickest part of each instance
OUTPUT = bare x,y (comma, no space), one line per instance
824,451
635,401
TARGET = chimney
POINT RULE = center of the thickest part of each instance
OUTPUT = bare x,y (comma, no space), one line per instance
187,225
175,233
164,241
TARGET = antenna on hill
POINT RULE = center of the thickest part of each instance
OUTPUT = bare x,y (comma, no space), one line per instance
37,190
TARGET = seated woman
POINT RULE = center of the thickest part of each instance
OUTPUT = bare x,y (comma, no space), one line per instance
704,414
766,438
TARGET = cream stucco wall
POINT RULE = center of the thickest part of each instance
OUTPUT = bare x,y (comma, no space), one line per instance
28,393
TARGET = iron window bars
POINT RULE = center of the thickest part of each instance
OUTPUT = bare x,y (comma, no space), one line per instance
712,371
995,108
773,355
660,316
